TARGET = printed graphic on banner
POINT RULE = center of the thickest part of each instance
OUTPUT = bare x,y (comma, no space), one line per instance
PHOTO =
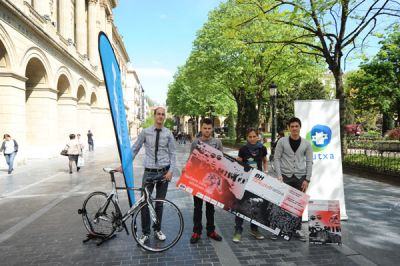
324,222
246,192
321,127
112,77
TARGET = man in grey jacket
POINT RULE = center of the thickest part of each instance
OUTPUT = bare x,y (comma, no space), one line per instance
293,161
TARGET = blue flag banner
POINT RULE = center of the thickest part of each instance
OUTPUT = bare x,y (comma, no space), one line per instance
112,78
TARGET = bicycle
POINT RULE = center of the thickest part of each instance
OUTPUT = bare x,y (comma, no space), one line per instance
102,216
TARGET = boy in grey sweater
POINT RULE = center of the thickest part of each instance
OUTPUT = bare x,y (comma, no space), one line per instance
293,161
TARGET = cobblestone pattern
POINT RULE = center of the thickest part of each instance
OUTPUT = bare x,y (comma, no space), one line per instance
250,251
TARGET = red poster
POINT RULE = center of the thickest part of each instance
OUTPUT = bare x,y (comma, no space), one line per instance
246,192
324,221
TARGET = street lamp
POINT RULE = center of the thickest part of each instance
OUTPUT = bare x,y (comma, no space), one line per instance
273,91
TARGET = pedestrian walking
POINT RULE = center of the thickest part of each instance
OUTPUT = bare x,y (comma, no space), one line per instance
9,147
74,149
90,140
255,156
159,163
293,161
78,137
206,137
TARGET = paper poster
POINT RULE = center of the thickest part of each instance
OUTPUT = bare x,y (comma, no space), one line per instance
324,222
241,190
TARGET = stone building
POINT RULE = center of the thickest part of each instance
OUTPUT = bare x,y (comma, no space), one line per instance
51,83
134,95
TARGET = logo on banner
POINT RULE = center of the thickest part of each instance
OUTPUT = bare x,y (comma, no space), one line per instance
320,137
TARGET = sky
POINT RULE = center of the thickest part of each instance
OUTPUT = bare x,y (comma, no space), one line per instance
158,36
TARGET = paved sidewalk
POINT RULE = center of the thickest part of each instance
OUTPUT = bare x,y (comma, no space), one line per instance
39,224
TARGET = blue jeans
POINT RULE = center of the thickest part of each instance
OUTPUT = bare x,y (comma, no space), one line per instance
10,160
161,192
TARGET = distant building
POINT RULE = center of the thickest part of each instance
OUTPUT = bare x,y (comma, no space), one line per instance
51,82
133,94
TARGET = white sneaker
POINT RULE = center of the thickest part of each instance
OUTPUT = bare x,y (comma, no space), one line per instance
144,238
160,235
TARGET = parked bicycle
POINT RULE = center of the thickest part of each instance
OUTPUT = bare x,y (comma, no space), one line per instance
102,216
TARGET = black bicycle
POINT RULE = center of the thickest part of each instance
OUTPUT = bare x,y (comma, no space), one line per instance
102,216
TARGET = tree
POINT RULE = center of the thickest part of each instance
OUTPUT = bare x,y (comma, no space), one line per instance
309,90
222,64
376,86
327,29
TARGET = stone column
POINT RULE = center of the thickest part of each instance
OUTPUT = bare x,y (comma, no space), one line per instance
63,18
81,28
12,110
71,20
83,120
67,115
102,17
42,7
41,114
12,102
110,20
92,31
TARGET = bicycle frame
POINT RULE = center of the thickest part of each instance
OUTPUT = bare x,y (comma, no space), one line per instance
144,198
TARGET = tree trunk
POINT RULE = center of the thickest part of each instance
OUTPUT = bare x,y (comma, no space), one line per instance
398,114
387,123
338,75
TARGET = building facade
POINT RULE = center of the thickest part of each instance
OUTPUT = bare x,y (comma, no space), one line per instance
51,82
134,95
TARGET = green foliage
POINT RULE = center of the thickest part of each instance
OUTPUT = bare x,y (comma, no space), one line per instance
376,86
230,123
149,121
378,163
169,123
309,90
227,72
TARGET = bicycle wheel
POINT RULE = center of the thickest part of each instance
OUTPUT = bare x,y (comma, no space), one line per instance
98,214
171,225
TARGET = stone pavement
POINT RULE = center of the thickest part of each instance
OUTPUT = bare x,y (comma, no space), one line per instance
39,223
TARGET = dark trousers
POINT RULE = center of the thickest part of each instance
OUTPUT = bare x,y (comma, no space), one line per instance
198,213
239,225
161,192
91,146
295,182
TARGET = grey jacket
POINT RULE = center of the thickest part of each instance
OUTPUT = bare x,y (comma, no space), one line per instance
288,163
3,146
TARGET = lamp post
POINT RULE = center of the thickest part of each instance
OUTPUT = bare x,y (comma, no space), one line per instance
273,91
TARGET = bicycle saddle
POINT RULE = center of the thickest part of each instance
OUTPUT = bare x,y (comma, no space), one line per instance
109,170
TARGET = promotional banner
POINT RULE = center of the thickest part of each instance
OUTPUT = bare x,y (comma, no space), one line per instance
321,127
112,79
324,222
246,192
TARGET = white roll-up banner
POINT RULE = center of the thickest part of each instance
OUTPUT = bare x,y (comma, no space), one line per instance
321,126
